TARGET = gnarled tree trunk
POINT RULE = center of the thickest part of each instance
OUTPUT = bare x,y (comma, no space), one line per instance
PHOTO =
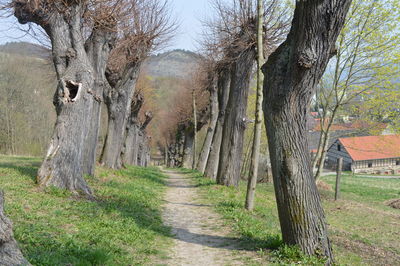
223,96
62,166
98,48
118,100
205,151
187,158
10,254
230,159
130,151
291,75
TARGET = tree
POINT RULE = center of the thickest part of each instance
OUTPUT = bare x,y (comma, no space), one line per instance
223,84
365,64
251,186
234,41
150,27
67,23
291,75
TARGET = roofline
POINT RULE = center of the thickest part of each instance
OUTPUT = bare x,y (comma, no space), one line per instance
377,159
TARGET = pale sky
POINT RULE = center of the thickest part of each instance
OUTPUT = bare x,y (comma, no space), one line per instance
188,13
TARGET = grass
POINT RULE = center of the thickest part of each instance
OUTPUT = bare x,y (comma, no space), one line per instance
363,229
122,226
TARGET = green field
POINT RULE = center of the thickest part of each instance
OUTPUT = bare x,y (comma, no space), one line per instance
364,230
122,226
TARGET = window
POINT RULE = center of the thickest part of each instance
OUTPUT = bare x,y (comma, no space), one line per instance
339,148
398,162
369,164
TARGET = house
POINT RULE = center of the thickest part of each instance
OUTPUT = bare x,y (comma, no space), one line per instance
368,154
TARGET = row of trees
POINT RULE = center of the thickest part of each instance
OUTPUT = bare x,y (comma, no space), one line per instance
293,69
97,51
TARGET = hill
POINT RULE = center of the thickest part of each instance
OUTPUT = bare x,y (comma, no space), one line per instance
26,49
175,63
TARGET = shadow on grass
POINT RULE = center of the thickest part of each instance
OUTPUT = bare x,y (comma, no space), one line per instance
27,169
271,241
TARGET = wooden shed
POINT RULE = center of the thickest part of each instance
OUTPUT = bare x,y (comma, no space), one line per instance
369,154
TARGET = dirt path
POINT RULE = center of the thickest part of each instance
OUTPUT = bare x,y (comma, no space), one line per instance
199,236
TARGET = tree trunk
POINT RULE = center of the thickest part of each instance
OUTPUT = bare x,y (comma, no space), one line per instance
323,155
62,166
194,156
187,158
130,150
291,75
118,101
223,96
10,253
255,154
130,156
205,151
230,159
98,48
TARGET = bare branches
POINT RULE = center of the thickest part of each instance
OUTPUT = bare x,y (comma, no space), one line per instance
234,28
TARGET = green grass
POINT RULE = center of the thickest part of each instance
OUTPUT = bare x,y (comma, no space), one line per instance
361,225
122,226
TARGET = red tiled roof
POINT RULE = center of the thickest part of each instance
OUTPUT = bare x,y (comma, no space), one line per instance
372,147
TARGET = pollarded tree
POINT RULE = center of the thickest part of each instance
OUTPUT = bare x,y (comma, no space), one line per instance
67,23
149,27
233,39
292,73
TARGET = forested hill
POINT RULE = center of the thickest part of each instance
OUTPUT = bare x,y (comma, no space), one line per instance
26,49
175,63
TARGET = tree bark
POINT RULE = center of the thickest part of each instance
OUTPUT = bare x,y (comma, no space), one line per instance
223,96
10,253
205,151
255,154
194,156
62,166
230,159
187,158
130,151
291,75
98,48
118,100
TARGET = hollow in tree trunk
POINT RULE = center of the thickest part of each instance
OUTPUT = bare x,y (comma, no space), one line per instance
291,76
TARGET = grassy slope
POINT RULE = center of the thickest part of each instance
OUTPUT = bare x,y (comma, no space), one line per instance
122,227
364,231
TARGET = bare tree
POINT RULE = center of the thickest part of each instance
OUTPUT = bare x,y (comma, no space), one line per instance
255,154
149,27
233,39
291,74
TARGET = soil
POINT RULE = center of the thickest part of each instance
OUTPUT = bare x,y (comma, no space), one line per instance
394,203
200,237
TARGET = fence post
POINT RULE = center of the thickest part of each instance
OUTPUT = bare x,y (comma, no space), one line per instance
338,174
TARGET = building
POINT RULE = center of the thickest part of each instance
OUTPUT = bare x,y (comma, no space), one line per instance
369,154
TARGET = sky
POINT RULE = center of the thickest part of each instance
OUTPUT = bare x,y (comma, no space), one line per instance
188,13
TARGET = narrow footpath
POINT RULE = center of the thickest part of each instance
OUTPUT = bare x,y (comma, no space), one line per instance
200,238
